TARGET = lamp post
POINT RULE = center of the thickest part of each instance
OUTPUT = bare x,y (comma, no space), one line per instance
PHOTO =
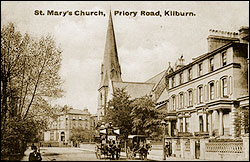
163,123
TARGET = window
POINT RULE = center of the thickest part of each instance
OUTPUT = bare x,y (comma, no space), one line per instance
187,125
211,87
173,81
200,94
224,58
200,69
181,125
224,87
181,77
201,123
80,118
173,100
190,74
190,98
74,118
211,64
181,100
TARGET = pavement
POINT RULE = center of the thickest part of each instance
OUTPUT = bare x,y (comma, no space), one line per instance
155,154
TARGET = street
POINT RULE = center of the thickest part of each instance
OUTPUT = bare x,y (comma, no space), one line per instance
69,154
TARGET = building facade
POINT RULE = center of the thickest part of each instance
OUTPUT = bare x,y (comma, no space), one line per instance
60,129
204,96
207,100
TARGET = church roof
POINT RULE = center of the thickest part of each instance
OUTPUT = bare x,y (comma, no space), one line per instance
156,79
134,89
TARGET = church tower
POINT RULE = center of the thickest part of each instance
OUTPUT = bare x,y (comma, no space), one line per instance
110,69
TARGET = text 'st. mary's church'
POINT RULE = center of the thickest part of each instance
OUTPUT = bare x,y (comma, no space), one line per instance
111,77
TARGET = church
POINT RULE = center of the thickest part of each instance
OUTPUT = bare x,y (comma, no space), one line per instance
111,77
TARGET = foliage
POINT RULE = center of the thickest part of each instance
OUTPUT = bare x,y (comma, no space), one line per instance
120,107
29,79
137,116
146,118
81,135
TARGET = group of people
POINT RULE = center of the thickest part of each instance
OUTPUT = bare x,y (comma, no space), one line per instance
112,148
142,148
35,155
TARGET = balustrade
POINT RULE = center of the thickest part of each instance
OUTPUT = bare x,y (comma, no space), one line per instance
225,147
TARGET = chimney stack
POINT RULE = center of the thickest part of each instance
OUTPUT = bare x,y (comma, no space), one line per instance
243,33
218,38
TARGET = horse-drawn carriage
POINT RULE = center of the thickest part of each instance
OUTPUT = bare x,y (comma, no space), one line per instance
107,144
138,145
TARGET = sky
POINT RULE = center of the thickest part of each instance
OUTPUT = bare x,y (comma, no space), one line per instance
145,44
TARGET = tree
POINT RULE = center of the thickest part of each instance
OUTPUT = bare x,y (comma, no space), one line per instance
29,79
120,107
81,135
146,118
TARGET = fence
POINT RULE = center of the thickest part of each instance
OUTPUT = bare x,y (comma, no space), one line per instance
226,147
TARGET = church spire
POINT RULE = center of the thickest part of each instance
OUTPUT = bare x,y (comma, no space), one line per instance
111,68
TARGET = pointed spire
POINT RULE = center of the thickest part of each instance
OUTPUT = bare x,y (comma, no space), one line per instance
111,64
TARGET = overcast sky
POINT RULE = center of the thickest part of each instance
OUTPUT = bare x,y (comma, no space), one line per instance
145,44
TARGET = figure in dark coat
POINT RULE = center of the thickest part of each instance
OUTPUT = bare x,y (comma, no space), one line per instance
35,156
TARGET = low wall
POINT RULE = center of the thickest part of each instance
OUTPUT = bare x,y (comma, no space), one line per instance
221,149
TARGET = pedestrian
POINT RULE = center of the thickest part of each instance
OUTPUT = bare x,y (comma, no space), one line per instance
35,155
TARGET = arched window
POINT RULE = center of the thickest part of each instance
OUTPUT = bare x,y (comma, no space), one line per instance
190,97
200,94
181,100
224,86
211,90
173,103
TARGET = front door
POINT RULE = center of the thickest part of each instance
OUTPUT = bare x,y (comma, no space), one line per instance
197,149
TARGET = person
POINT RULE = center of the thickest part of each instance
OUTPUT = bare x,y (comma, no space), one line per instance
167,149
35,156
117,150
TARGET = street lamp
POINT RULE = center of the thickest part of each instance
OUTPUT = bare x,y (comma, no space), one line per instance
163,123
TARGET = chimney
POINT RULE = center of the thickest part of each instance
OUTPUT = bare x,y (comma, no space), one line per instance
85,110
243,33
218,38
179,63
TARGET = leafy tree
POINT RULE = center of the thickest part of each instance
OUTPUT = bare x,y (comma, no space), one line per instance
146,118
29,79
120,107
81,135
